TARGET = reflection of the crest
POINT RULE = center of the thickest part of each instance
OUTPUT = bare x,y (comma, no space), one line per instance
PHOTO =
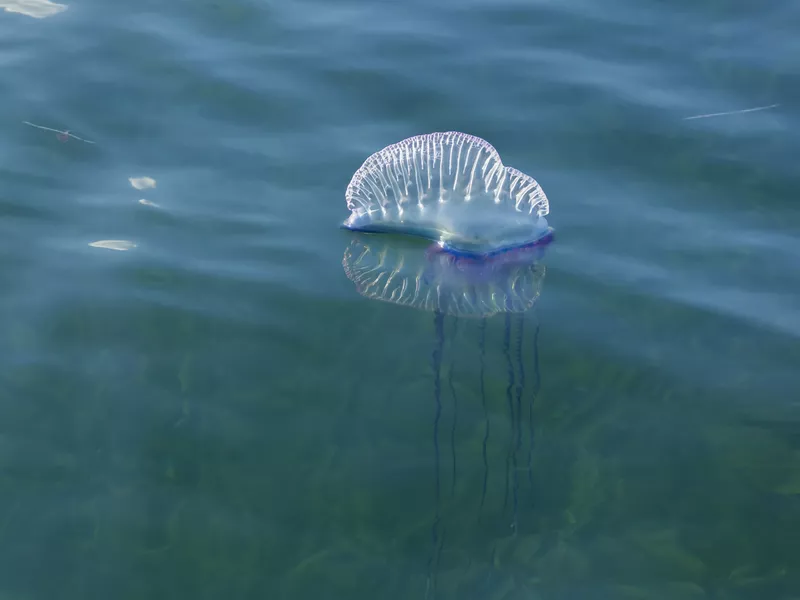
403,272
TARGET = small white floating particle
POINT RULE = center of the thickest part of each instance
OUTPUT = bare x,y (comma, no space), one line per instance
121,245
142,183
148,203
38,9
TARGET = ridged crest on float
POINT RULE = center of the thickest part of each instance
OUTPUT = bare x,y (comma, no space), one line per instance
410,184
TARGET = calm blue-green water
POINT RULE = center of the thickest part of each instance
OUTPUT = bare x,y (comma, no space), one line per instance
218,413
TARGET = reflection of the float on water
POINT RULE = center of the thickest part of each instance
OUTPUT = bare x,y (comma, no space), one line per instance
433,279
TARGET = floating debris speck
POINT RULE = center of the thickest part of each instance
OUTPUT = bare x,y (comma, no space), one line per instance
61,135
142,183
731,112
120,245
148,203
38,9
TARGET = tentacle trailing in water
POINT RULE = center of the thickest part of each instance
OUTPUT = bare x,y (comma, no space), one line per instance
520,390
438,320
510,400
482,348
532,401
455,405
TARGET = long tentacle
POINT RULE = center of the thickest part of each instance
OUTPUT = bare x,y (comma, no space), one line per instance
510,401
437,397
518,424
455,406
532,401
482,347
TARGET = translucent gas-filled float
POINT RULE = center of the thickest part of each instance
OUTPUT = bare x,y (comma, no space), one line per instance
451,188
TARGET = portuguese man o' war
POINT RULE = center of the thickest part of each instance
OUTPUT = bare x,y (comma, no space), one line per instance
489,233
451,188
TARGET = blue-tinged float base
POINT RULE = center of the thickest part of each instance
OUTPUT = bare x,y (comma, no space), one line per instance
546,237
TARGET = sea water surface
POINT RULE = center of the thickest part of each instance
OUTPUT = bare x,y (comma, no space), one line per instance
196,402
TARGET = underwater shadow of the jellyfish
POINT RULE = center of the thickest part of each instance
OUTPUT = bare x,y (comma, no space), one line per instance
432,279
488,228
